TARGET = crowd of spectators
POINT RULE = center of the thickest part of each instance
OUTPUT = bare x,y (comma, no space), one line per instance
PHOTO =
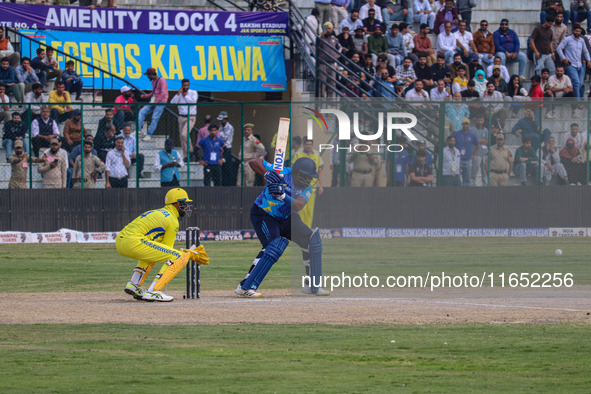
385,28
379,55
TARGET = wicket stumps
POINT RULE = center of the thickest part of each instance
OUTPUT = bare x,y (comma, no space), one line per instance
193,270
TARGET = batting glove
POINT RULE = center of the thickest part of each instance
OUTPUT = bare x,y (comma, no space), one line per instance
276,188
273,177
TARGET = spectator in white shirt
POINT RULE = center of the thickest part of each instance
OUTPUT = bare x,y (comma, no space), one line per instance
189,112
447,43
504,72
441,92
423,13
465,41
578,137
352,21
365,8
417,93
117,164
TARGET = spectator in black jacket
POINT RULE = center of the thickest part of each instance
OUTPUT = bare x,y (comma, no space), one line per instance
441,71
106,121
424,72
13,131
104,142
40,67
347,44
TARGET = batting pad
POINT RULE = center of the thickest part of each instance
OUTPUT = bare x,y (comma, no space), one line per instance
273,252
172,271
315,249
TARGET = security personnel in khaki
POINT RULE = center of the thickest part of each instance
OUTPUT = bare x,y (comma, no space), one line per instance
19,162
92,166
501,162
364,167
253,149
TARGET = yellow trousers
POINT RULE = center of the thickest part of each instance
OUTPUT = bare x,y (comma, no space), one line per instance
145,250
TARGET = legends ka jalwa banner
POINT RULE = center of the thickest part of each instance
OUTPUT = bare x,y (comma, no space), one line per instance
226,63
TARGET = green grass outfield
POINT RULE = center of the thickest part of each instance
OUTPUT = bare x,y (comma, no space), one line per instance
295,358
98,267
290,358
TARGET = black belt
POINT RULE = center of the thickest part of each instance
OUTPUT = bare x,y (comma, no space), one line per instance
118,179
184,116
499,171
363,172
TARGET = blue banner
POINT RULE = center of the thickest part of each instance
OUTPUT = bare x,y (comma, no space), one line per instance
223,63
121,20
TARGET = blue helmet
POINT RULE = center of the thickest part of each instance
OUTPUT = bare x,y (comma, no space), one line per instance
304,170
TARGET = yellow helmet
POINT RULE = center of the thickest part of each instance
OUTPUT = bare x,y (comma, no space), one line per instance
176,195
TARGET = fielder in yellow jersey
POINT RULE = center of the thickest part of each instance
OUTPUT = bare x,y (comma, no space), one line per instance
150,239
307,213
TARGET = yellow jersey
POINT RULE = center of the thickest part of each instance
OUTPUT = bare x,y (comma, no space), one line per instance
159,225
56,100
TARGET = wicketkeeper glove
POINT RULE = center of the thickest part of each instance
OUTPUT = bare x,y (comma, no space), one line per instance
197,254
273,177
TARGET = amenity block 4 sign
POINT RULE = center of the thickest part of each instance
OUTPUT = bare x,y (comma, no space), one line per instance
220,63
143,21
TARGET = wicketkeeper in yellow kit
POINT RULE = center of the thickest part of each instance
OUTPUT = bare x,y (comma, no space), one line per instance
150,239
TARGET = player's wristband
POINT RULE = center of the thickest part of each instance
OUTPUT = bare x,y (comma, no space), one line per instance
286,198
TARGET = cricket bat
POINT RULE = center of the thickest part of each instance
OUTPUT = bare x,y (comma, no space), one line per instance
281,146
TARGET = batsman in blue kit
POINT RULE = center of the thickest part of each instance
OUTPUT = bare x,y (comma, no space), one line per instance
276,223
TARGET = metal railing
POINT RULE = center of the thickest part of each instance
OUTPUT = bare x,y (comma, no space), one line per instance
93,119
77,60
552,118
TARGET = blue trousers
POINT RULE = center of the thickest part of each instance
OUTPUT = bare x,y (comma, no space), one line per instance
579,16
268,228
466,171
397,16
577,76
74,87
157,113
8,144
450,180
524,169
521,59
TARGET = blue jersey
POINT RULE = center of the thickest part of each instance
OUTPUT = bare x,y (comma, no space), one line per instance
466,142
212,149
400,163
277,208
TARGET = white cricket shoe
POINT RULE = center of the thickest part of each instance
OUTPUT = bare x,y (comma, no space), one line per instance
156,296
321,291
247,293
134,290
147,138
